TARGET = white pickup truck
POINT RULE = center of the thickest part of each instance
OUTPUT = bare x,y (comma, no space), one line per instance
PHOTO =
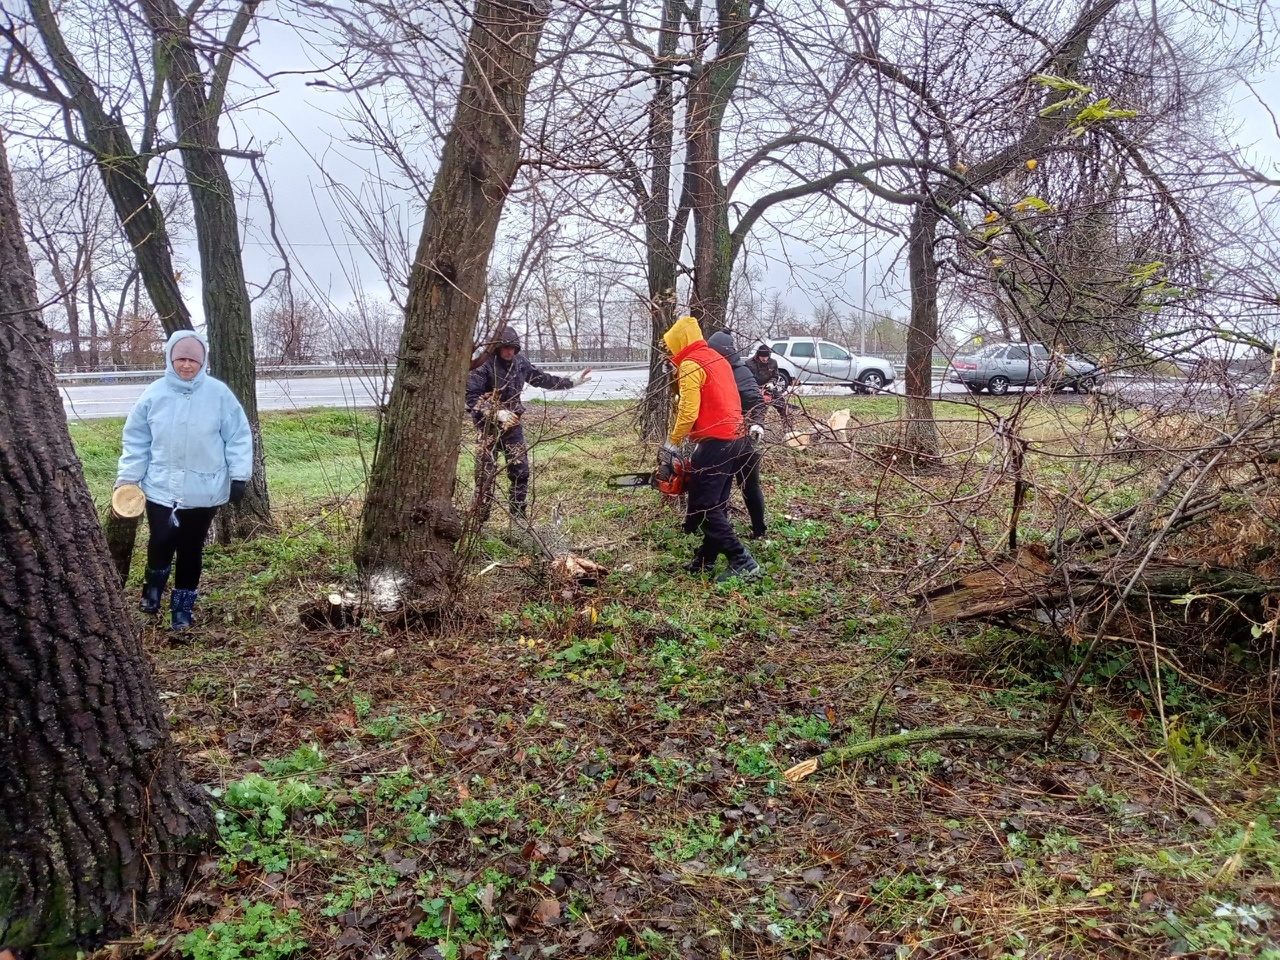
814,360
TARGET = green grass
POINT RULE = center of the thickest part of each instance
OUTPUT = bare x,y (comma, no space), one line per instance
311,455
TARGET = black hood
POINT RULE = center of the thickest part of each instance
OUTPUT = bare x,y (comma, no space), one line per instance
507,337
723,344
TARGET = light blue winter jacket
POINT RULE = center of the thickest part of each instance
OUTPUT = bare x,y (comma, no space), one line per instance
186,440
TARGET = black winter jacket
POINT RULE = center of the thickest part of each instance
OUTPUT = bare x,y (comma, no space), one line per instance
765,372
748,389
496,384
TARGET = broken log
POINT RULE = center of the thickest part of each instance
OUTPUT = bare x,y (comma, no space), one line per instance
837,756
1019,582
128,503
573,568
1029,581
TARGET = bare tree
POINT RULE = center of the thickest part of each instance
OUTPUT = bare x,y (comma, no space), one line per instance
85,272
289,328
366,331
409,522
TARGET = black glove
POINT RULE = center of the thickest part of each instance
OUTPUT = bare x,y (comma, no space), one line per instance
667,454
238,487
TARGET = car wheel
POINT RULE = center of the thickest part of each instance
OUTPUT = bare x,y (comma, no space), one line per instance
998,386
785,379
872,381
1086,384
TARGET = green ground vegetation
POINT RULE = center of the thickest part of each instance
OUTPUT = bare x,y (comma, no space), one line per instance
597,772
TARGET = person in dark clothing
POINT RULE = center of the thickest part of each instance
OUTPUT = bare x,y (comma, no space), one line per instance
765,371
753,409
493,400
763,367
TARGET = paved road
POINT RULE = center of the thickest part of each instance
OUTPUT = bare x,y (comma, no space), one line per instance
89,401
115,399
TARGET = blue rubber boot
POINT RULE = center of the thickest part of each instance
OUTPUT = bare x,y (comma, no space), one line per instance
153,584
182,605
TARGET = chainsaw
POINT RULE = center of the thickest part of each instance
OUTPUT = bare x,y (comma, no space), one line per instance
670,482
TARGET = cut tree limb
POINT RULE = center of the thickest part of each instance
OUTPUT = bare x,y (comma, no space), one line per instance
838,756
128,503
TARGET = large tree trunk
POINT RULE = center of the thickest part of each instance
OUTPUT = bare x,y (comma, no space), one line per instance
921,438
213,204
97,824
124,175
661,239
409,523
709,96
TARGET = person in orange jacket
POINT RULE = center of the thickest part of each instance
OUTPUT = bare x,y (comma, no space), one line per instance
710,413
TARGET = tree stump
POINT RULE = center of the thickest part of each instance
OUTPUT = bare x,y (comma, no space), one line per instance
128,503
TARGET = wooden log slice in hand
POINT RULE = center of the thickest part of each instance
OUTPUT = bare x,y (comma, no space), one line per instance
128,503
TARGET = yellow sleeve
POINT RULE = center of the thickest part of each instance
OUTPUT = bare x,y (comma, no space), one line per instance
691,377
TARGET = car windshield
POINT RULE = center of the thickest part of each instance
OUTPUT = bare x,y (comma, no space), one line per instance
990,350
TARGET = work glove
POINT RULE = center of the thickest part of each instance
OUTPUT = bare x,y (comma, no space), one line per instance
756,432
238,488
667,454
506,419
583,377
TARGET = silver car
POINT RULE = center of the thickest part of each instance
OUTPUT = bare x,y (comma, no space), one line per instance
814,360
999,366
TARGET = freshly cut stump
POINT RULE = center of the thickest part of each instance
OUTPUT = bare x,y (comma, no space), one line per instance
128,503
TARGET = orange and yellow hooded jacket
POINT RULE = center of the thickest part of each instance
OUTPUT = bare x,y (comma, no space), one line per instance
709,407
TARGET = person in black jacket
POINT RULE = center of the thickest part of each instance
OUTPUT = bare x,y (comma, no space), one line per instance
763,367
753,410
765,371
493,400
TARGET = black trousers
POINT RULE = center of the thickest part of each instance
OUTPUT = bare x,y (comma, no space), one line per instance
752,493
511,443
180,532
715,465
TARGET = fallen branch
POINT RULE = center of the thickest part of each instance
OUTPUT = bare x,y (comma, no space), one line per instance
837,756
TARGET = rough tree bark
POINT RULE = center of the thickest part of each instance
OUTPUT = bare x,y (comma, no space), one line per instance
710,91
410,525
97,823
196,112
921,432
662,242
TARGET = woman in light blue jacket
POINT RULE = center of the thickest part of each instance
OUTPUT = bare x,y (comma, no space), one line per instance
187,443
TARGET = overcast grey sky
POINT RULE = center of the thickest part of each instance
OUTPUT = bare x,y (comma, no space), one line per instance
297,126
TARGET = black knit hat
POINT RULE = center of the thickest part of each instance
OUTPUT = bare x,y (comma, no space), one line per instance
764,351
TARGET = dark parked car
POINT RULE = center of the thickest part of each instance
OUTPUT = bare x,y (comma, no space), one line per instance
999,366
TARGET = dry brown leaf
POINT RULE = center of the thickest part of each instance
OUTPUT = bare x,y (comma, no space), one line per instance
547,911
